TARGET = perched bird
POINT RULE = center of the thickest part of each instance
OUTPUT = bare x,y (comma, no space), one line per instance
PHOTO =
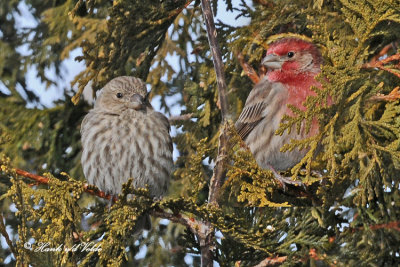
292,65
123,137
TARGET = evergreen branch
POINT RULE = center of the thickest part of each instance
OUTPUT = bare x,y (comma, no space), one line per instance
191,223
194,225
206,241
3,231
173,14
271,261
44,180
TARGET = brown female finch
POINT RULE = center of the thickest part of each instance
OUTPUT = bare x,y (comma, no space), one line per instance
292,66
123,137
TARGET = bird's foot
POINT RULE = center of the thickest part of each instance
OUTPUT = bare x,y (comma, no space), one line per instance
287,180
283,180
313,173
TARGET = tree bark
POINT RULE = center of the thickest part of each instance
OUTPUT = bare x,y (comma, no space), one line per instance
207,237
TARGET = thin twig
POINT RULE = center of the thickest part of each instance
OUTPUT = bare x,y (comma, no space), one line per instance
183,117
44,180
381,64
394,95
390,225
3,231
395,225
381,53
192,224
271,261
37,178
250,72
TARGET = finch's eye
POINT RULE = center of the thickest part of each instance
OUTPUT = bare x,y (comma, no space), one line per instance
119,95
290,54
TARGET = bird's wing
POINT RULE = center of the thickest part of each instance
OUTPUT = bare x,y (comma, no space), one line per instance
162,120
255,108
165,123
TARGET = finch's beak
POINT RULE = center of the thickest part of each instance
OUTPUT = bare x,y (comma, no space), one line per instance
272,61
137,102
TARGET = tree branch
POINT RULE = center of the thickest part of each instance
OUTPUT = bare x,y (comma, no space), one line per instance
190,223
381,64
206,237
383,52
217,57
394,95
183,117
395,225
44,180
390,225
250,72
271,261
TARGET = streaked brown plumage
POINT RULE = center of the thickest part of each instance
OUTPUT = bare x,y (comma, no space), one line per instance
123,137
292,66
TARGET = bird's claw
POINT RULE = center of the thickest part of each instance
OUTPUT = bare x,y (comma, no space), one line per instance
313,173
287,180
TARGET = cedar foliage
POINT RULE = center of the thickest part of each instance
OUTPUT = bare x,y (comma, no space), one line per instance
346,216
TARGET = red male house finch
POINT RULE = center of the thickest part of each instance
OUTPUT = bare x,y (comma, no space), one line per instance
123,137
292,66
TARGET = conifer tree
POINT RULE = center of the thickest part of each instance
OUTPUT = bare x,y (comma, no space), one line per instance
221,207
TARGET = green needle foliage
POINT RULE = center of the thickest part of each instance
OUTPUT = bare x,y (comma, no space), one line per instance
347,213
